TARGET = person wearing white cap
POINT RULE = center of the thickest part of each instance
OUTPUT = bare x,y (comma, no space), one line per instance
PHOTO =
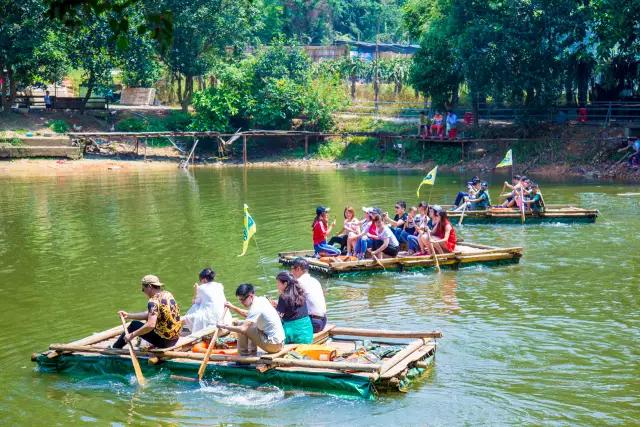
163,324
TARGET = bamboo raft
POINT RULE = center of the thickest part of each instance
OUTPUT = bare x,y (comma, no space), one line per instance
565,214
410,356
466,253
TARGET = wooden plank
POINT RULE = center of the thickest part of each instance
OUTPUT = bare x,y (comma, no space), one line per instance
415,356
401,355
384,333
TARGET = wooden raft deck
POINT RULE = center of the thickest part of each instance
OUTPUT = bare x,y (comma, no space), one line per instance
553,213
465,254
363,375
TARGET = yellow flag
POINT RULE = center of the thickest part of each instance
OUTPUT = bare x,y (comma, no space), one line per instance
507,161
248,230
430,179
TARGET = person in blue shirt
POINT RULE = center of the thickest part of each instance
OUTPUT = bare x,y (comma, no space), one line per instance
452,123
481,201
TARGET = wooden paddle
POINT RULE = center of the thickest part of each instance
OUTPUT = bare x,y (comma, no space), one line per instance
377,260
134,358
433,251
522,204
462,214
212,344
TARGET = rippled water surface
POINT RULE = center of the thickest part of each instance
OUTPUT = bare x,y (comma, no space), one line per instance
553,339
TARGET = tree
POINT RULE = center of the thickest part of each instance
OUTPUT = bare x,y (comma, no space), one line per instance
92,48
202,31
29,47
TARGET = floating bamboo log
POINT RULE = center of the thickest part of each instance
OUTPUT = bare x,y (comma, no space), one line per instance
382,333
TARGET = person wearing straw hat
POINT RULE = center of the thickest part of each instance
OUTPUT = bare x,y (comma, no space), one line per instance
163,324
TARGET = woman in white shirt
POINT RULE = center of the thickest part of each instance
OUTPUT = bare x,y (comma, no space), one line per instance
208,303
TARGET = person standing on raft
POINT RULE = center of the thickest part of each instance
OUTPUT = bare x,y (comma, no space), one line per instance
321,229
163,323
262,326
208,303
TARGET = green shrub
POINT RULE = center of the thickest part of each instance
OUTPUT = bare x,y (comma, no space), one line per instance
59,126
132,124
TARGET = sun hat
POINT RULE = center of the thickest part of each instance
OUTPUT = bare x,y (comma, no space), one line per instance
151,280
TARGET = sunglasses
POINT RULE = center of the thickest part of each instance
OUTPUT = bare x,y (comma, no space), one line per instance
243,299
397,207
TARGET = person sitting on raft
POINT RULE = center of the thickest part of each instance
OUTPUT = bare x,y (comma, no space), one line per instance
398,220
444,235
385,241
409,226
480,202
313,293
292,308
208,303
262,326
321,229
367,233
163,324
516,188
413,242
534,201
350,225
471,191
514,182
428,224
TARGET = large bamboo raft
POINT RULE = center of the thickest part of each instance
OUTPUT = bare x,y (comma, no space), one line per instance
466,253
405,356
552,213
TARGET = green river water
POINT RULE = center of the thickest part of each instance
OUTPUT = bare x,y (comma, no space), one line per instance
552,340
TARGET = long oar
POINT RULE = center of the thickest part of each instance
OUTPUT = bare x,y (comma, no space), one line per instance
377,260
134,358
462,214
433,252
522,204
212,344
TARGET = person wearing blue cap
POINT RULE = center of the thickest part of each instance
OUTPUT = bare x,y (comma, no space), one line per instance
321,229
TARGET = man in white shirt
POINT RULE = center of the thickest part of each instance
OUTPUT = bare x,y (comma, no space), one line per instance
262,326
313,293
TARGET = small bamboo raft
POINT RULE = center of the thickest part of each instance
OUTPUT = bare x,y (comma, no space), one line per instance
465,254
565,214
368,361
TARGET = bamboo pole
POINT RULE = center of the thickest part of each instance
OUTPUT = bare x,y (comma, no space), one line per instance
244,149
383,333
317,364
91,339
433,252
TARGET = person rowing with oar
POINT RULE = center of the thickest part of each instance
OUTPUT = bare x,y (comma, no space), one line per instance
262,326
163,324
534,202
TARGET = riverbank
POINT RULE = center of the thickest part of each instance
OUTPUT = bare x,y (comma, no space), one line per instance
51,167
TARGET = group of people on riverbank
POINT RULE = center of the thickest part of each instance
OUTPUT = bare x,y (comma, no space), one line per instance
424,229
299,312
437,125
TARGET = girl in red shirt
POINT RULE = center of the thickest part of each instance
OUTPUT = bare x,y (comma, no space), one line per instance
443,236
321,229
